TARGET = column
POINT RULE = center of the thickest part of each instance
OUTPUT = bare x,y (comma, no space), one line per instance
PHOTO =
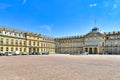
92,50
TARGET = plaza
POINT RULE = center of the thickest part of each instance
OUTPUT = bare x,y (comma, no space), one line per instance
60,67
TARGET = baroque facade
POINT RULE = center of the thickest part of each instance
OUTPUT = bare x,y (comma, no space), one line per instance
16,40
95,42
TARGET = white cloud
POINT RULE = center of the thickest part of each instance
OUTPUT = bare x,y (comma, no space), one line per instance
24,1
93,5
115,6
46,27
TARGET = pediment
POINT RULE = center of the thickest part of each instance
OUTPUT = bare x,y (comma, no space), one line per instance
94,34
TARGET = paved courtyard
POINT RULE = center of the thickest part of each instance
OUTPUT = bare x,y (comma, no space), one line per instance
60,67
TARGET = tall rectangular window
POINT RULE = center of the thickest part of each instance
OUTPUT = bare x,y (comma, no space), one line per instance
38,43
88,39
34,43
20,42
1,40
29,42
16,42
111,44
16,49
12,41
97,38
7,41
106,43
24,42
1,48
41,44
20,49
11,49
6,49
24,50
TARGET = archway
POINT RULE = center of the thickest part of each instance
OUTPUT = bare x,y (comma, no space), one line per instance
95,51
90,50
86,49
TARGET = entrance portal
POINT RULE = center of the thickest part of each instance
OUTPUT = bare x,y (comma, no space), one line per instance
95,51
90,50
30,50
34,50
86,49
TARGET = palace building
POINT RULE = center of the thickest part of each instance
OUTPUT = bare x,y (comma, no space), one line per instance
22,41
95,42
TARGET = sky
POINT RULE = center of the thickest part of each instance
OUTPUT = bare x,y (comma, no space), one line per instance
60,18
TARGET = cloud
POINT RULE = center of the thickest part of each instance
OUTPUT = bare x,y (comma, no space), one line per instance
4,6
93,5
115,6
24,2
46,27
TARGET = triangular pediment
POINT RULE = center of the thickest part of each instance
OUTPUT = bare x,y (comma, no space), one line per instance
94,33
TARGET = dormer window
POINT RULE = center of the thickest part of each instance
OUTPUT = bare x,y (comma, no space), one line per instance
107,37
15,34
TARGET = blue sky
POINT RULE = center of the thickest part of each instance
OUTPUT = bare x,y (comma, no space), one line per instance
59,18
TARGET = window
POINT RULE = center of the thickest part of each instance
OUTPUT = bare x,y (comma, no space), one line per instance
20,49
16,49
38,43
88,39
12,41
106,43
20,42
111,44
107,37
16,42
15,34
103,44
7,41
34,43
6,49
24,50
41,44
29,42
44,45
11,49
24,42
96,43
116,44
1,48
5,32
1,40
92,43
97,38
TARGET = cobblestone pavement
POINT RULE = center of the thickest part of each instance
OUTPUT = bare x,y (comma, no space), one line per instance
60,67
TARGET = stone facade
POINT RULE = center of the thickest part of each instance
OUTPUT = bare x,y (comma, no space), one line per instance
95,42
16,40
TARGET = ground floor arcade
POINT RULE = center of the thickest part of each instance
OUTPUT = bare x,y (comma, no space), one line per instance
93,50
